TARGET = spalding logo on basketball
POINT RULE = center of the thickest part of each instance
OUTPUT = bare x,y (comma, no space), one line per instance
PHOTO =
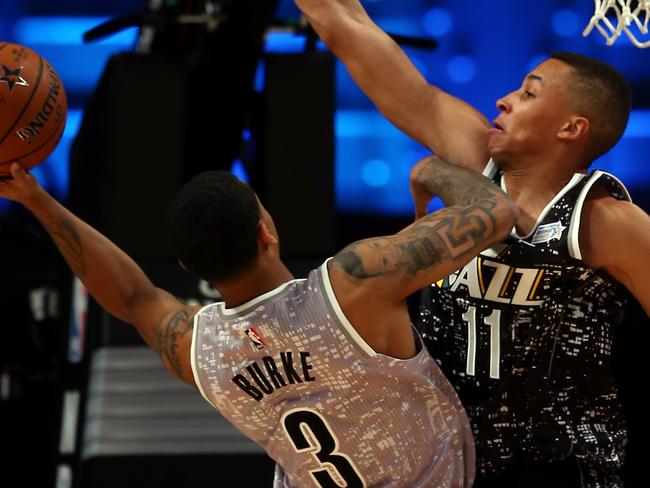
33,107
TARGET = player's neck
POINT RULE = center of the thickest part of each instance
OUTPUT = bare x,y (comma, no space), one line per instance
532,188
533,184
265,275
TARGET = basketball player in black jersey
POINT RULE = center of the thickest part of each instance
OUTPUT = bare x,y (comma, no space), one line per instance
524,332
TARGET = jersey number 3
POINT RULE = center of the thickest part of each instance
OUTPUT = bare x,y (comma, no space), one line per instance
309,432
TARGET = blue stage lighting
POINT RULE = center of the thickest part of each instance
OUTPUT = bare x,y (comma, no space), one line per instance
461,69
566,22
362,123
376,173
438,21
66,31
260,77
239,170
285,42
639,125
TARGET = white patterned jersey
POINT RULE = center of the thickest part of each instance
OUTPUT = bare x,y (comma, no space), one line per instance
290,372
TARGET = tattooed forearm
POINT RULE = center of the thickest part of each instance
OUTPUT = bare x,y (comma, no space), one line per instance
68,240
381,256
460,231
478,214
454,185
442,236
422,253
169,335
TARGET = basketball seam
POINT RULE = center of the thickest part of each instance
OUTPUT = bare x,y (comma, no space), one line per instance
29,102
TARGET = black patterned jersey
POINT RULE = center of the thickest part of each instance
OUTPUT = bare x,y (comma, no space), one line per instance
524,333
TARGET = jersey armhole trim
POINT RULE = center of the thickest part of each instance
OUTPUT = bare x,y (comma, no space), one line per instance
335,307
490,169
574,227
195,372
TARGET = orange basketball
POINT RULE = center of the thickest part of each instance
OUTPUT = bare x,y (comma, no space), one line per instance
33,107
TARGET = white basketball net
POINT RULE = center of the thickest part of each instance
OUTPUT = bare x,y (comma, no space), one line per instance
613,17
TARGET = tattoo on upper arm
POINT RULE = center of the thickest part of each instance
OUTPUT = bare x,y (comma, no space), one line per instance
68,241
423,253
170,333
350,261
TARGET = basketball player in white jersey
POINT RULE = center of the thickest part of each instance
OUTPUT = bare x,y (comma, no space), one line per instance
327,373
530,323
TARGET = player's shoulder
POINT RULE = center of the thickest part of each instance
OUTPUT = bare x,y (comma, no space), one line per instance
609,226
605,213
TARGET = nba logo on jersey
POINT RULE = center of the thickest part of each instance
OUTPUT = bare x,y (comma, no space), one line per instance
257,343
548,232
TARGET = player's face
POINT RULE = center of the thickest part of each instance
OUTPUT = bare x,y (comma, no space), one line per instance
531,117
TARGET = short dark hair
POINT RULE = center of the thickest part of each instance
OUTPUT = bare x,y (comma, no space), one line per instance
603,95
212,222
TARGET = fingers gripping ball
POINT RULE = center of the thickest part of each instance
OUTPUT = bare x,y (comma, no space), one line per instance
33,107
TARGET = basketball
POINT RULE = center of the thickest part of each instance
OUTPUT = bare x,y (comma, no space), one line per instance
33,107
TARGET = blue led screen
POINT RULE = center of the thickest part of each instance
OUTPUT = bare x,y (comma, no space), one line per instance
485,50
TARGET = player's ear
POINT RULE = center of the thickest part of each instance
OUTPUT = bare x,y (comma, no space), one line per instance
574,129
264,235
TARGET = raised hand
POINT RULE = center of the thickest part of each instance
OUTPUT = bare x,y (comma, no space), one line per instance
21,187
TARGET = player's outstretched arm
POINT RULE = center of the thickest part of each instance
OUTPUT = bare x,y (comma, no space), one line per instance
113,278
478,215
446,125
